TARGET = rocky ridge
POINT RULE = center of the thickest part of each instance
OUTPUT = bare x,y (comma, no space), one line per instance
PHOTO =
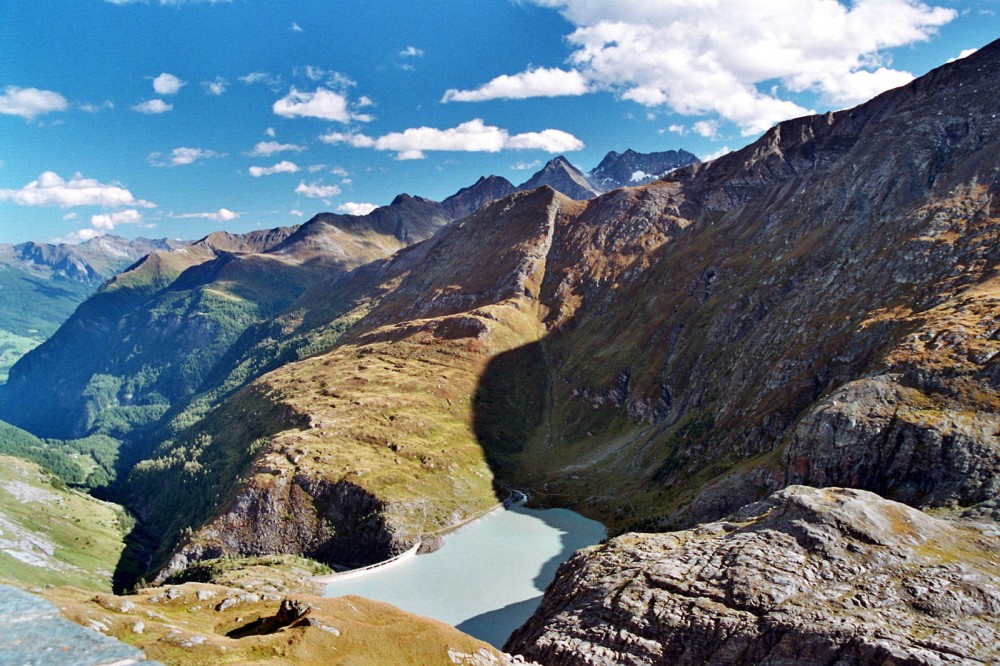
806,576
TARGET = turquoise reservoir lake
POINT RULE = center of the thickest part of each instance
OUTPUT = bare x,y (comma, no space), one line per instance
489,576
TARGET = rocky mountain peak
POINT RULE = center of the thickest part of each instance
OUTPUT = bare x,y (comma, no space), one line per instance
632,168
563,177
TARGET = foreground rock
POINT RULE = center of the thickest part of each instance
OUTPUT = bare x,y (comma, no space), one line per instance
806,576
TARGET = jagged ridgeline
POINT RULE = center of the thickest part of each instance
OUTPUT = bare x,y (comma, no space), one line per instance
820,307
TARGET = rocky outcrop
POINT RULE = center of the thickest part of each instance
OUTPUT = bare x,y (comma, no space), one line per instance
818,576
277,511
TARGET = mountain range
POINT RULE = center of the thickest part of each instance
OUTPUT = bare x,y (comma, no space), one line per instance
42,283
819,308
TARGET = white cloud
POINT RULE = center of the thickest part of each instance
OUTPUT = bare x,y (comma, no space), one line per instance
524,166
701,58
350,138
283,166
268,148
273,82
296,212
181,156
676,128
221,215
706,128
269,132
30,102
317,191
471,136
51,190
97,108
364,101
550,140
725,150
321,103
411,52
295,27
86,234
167,84
541,82
216,87
355,208
70,216
965,53
336,171
108,221
152,106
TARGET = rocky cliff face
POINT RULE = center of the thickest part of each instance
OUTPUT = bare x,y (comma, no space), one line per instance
818,576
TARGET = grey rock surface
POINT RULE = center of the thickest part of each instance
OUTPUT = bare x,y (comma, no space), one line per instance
807,576
32,633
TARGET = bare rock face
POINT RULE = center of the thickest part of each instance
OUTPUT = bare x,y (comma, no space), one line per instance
818,576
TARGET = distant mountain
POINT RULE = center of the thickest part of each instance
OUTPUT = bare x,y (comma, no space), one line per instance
192,321
42,283
616,170
631,168
563,177
92,261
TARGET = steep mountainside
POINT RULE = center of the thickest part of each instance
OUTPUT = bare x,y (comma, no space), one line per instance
42,283
630,168
817,308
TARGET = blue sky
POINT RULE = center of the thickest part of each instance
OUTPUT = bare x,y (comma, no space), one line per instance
179,117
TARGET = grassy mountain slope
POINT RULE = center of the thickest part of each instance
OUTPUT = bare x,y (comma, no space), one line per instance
52,535
817,308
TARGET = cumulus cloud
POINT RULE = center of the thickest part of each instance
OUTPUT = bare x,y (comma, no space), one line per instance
221,215
541,82
321,103
268,148
706,128
524,166
30,102
283,166
108,221
352,139
84,235
965,53
471,136
725,150
167,84
216,87
152,106
355,208
181,157
411,52
701,58
317,191
295,27
51,190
